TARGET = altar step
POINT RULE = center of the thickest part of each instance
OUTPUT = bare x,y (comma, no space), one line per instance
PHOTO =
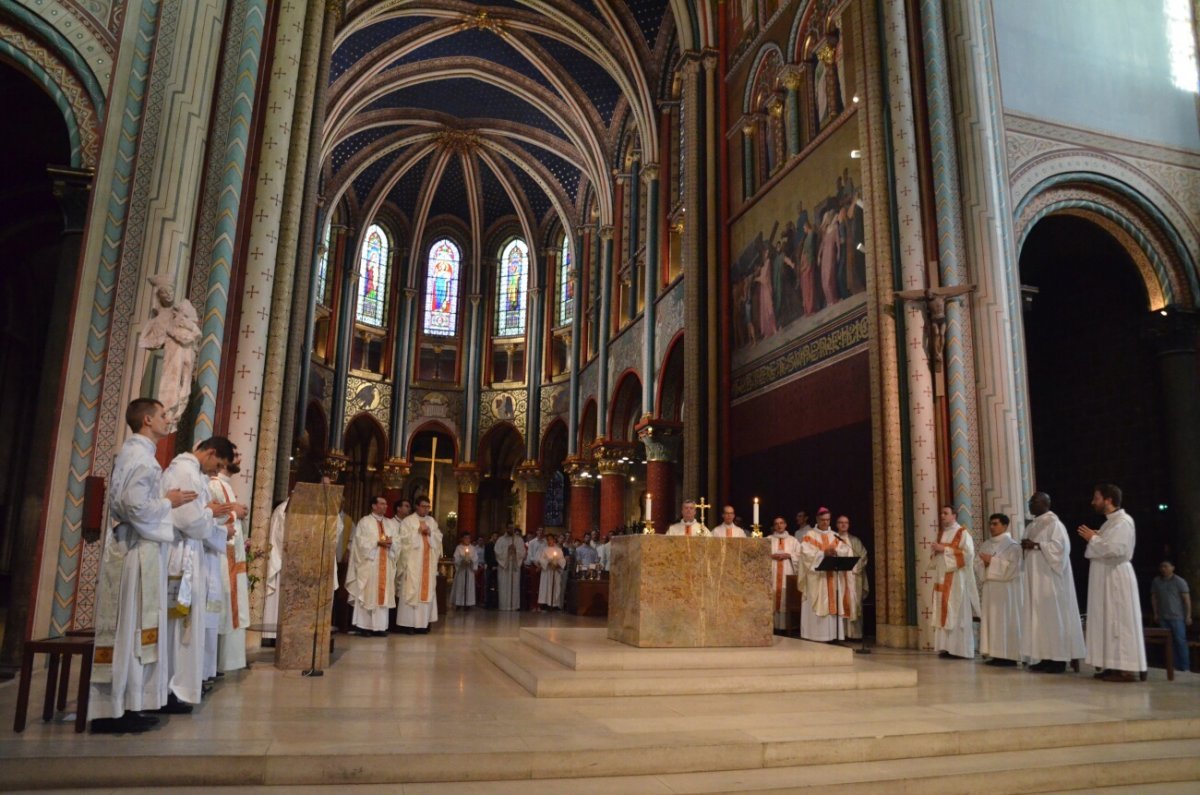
583,663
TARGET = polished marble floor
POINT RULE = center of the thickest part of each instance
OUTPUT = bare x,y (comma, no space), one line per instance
438,695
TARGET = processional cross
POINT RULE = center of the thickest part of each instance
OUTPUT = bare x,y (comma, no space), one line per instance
433,462
703,506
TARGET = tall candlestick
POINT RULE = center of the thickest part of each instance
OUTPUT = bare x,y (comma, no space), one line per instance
756,510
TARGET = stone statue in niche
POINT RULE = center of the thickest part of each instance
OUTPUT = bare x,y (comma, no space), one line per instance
172,336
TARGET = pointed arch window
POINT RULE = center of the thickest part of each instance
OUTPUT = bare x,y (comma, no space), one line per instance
373,267
441,289
512,278
322,285
566,284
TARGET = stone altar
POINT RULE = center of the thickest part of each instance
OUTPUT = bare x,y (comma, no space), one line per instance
690,592
306,581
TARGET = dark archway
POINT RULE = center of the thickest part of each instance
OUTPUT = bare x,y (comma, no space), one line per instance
366,447
500,452
1096,403
670,382
626,407
424,454
40,236
554,453
587,427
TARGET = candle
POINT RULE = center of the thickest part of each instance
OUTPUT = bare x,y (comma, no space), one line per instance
756,510
649,503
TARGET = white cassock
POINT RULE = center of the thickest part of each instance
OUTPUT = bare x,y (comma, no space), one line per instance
416,604
235,586
196,534
1052,629
371,575
823,602
1003,598
1114,627
955,599
780,569
510,552
728,531
605,553
553,565
462,593
692,528
855,587
129,670
274,566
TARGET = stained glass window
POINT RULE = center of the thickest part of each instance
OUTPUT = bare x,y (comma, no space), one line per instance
511,279
441,289
373,277
566,284
322,285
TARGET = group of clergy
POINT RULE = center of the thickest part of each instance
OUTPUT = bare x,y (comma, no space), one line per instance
831,601
514,555
172,601
1027,604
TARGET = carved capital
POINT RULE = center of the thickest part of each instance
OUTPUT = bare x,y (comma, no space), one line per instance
606,233
649,173
612,457
395,470
579,471
334,465
529,473
661,438
468,478
791,78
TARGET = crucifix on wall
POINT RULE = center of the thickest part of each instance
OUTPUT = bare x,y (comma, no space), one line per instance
934,309
433,462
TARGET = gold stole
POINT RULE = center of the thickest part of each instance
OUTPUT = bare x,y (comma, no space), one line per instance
381,591
424,568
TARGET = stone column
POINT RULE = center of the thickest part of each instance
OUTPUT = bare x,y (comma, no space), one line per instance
344,339
792,83
605,304
529,474
578,469
534,341
635,205
649,313
576,347
612,464
694,257
474,351
661,439
1173,335
747,158
468,498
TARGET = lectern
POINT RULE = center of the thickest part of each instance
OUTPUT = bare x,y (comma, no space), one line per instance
306,580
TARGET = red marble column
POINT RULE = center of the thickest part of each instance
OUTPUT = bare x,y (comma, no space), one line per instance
660,482
535,510
612,501
468,499
581,507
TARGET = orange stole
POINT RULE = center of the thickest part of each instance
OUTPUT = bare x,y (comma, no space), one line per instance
830,583
779,581
235,568
424,568
381,591
943,588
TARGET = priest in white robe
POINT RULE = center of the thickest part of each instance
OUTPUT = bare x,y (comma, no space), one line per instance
688,525
855,585
274,567
785,560
510,554
1052,632
1115,644
821,608
553,564
187,568
728,527
371,576
955,599
999,567
420,549
129,669
466,561
235,586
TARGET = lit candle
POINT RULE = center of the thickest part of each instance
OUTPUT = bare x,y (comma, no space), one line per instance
756,510
649,504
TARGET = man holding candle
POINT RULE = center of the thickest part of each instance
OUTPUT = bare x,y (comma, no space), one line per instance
553,563
727,528
688,526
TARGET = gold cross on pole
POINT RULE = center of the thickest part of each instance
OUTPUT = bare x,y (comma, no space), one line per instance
433,462
703,506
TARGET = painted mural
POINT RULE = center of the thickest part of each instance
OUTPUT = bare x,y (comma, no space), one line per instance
799,252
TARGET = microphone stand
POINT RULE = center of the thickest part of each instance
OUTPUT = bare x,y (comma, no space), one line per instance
314,670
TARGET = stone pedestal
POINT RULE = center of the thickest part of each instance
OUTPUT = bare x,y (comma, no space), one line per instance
306,581
690,592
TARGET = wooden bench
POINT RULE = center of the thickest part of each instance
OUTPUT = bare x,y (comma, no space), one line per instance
58,676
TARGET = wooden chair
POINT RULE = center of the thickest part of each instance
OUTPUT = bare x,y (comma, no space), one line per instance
58,676
1161,637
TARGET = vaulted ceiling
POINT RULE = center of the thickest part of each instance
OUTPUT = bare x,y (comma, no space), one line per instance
488,110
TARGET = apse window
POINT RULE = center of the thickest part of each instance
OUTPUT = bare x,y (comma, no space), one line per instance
373,277
566,285
512,277
441,289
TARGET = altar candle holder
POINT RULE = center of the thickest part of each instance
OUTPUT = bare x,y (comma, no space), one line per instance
648,528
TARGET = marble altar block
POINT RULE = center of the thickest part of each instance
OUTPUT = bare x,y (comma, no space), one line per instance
690,592
306,580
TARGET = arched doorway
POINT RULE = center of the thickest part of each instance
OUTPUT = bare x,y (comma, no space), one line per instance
366,447
1096,402
37,277
554,453
433,451
500,452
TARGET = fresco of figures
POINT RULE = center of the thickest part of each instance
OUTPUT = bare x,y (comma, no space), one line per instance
800,249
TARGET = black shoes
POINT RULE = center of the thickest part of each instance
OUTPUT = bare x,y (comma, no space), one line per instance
999,662
175,707
129,723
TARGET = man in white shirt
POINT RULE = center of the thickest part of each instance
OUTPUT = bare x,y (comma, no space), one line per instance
727,528
855,585
604,551
1052,631
235,586
371,575
420,549
785,560
802,524
129,672
688,526
1115,644
535,545
955,599
999,566
196,530
510,554
822,607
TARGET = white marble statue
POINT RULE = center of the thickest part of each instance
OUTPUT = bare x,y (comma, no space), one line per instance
174,328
